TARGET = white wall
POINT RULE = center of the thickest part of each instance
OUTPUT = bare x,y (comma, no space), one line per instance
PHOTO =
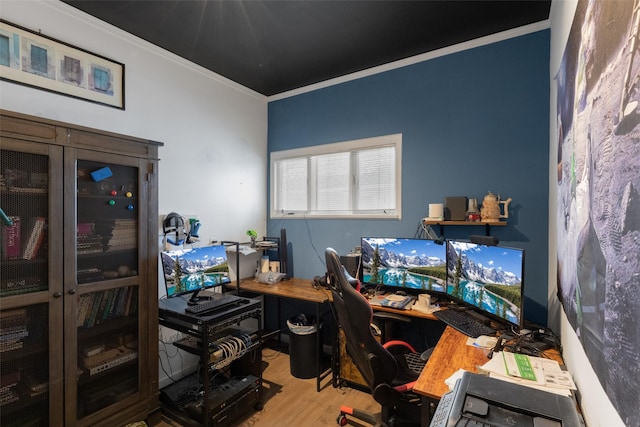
596,406
213,163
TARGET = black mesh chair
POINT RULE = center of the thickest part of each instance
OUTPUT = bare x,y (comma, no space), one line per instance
389,376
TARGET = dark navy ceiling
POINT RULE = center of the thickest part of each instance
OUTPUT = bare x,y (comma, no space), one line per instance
274,46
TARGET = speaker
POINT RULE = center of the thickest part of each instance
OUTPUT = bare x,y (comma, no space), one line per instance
455,208
286,266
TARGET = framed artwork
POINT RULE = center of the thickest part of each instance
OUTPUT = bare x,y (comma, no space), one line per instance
32,59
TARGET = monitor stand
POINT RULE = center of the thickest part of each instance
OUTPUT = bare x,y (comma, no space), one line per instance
477,316
195,299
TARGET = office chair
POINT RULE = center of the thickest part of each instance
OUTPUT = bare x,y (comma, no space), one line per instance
390,377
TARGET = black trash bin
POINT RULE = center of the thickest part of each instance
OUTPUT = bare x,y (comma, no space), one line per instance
304,352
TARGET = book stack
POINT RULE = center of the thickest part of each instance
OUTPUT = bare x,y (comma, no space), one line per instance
13,329
35,235
22,285
89,242
124,235
9,388
97,307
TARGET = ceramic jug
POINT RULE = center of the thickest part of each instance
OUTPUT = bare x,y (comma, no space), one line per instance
493,209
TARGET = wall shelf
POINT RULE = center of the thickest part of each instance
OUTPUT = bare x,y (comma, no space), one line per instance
442,223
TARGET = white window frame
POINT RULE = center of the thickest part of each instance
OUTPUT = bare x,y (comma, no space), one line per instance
394,141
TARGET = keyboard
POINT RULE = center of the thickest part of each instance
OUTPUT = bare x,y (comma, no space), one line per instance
213,304
464,323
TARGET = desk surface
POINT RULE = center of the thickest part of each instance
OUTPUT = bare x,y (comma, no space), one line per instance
450,354
300,289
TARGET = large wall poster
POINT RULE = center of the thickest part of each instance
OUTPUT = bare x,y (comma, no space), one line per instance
598,115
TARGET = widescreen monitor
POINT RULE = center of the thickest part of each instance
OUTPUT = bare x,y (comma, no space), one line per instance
403,263
490,279
195,269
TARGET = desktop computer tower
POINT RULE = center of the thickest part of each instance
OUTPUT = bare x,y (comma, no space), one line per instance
352,263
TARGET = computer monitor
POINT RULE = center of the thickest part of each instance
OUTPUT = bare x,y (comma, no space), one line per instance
489,279
403,263
195,269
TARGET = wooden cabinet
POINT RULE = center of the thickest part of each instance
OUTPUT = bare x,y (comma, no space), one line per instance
78,282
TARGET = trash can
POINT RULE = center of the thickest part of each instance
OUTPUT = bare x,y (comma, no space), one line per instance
304,352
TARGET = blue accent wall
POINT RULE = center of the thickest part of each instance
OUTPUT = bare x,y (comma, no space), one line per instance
472,122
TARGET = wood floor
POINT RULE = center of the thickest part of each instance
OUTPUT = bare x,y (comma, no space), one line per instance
290,401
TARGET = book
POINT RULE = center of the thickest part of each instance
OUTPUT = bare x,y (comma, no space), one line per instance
36,235
83,308
97,299
12,238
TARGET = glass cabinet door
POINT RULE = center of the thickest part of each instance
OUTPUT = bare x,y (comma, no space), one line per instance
105,283
30,285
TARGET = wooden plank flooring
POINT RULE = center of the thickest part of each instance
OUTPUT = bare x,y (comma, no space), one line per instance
290,401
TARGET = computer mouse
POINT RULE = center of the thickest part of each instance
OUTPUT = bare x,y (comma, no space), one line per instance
403,293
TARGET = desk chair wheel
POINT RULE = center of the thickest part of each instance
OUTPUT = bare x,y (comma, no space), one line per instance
342,420
367,417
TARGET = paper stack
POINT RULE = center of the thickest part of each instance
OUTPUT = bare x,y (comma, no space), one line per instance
537,372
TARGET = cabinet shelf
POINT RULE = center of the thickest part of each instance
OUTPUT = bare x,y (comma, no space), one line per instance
29,350
100,254
85,379
108,327
29,192
24,401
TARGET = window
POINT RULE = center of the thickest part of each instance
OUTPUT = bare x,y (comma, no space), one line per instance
355,179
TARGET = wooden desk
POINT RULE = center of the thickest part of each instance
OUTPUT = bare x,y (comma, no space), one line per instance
450,354
298,289
303,290
295,289
409,313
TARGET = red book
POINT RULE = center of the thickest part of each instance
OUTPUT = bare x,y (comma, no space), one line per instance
12,239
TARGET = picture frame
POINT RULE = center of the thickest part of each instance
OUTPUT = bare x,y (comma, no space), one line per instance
33,59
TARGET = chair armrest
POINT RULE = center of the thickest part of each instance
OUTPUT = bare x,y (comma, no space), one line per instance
399,343
383,315
403,388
